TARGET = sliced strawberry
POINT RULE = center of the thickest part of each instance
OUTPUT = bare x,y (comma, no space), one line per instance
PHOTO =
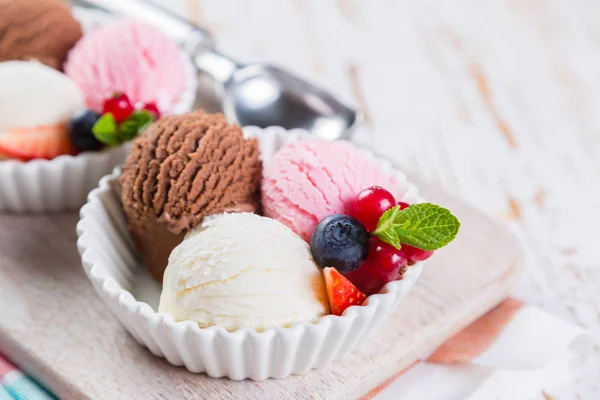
342,293
42,141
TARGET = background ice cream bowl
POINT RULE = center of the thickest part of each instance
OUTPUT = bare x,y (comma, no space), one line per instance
64,182
112,265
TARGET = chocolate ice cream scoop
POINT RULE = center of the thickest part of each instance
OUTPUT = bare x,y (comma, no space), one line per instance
44,30
180,170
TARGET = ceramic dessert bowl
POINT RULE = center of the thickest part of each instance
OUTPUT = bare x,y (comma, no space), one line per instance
54,185
113,267
63,182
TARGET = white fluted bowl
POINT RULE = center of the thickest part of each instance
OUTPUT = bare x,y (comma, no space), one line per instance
64,182
54,185
112,266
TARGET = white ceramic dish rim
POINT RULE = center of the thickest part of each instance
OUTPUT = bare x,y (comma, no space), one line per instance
126,299
64,159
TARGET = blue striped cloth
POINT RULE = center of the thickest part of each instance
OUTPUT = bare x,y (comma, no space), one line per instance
14,385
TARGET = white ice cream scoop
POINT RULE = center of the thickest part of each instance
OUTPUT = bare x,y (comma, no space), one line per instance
243,271
33,94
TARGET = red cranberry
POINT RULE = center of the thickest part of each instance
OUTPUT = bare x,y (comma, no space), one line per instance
403,205
119,106
152,109
384,264
369,206
415,254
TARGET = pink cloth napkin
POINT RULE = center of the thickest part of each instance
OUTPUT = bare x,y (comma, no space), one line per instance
515,351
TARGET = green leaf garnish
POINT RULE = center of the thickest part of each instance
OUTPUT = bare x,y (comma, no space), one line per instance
141,118
425,226
128,130
106,130
134,125
109,132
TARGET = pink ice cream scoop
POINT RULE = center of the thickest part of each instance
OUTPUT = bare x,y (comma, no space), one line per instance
306,181
130,57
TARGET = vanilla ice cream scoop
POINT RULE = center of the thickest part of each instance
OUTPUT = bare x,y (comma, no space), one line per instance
33,94
243,271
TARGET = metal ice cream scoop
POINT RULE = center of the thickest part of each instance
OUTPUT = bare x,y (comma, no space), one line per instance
250,94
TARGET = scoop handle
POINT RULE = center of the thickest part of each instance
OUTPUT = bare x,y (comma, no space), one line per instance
191,37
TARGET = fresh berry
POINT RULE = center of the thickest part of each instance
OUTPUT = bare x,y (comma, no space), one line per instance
152,109
119,106
341,292
339,241
80,131
369,206
415,254
384,264
42,141
403,205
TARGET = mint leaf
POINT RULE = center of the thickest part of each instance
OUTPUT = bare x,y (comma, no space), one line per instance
385,227
141,118
128,130
425,226
134,125
105,130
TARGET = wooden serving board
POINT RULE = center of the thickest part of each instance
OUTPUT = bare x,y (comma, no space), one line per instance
56,328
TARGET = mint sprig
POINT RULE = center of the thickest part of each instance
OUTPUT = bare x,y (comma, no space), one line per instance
107,131
425,226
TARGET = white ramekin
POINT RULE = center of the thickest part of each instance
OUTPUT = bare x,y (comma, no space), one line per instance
111,264
63,183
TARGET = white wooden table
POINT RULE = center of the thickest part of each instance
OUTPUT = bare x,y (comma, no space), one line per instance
497,101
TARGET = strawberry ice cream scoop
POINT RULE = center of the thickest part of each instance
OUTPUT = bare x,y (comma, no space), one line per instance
307,181
129,57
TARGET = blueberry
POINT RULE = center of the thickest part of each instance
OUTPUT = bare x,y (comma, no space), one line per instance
339,241
80,131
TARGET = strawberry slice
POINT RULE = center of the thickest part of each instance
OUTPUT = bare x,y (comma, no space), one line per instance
42,141
342,293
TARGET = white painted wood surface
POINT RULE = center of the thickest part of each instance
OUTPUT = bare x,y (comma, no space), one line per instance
497,101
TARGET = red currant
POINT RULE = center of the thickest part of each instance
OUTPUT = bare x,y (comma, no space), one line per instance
369,206
403,205
152,109
119,106
415,254
384,264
